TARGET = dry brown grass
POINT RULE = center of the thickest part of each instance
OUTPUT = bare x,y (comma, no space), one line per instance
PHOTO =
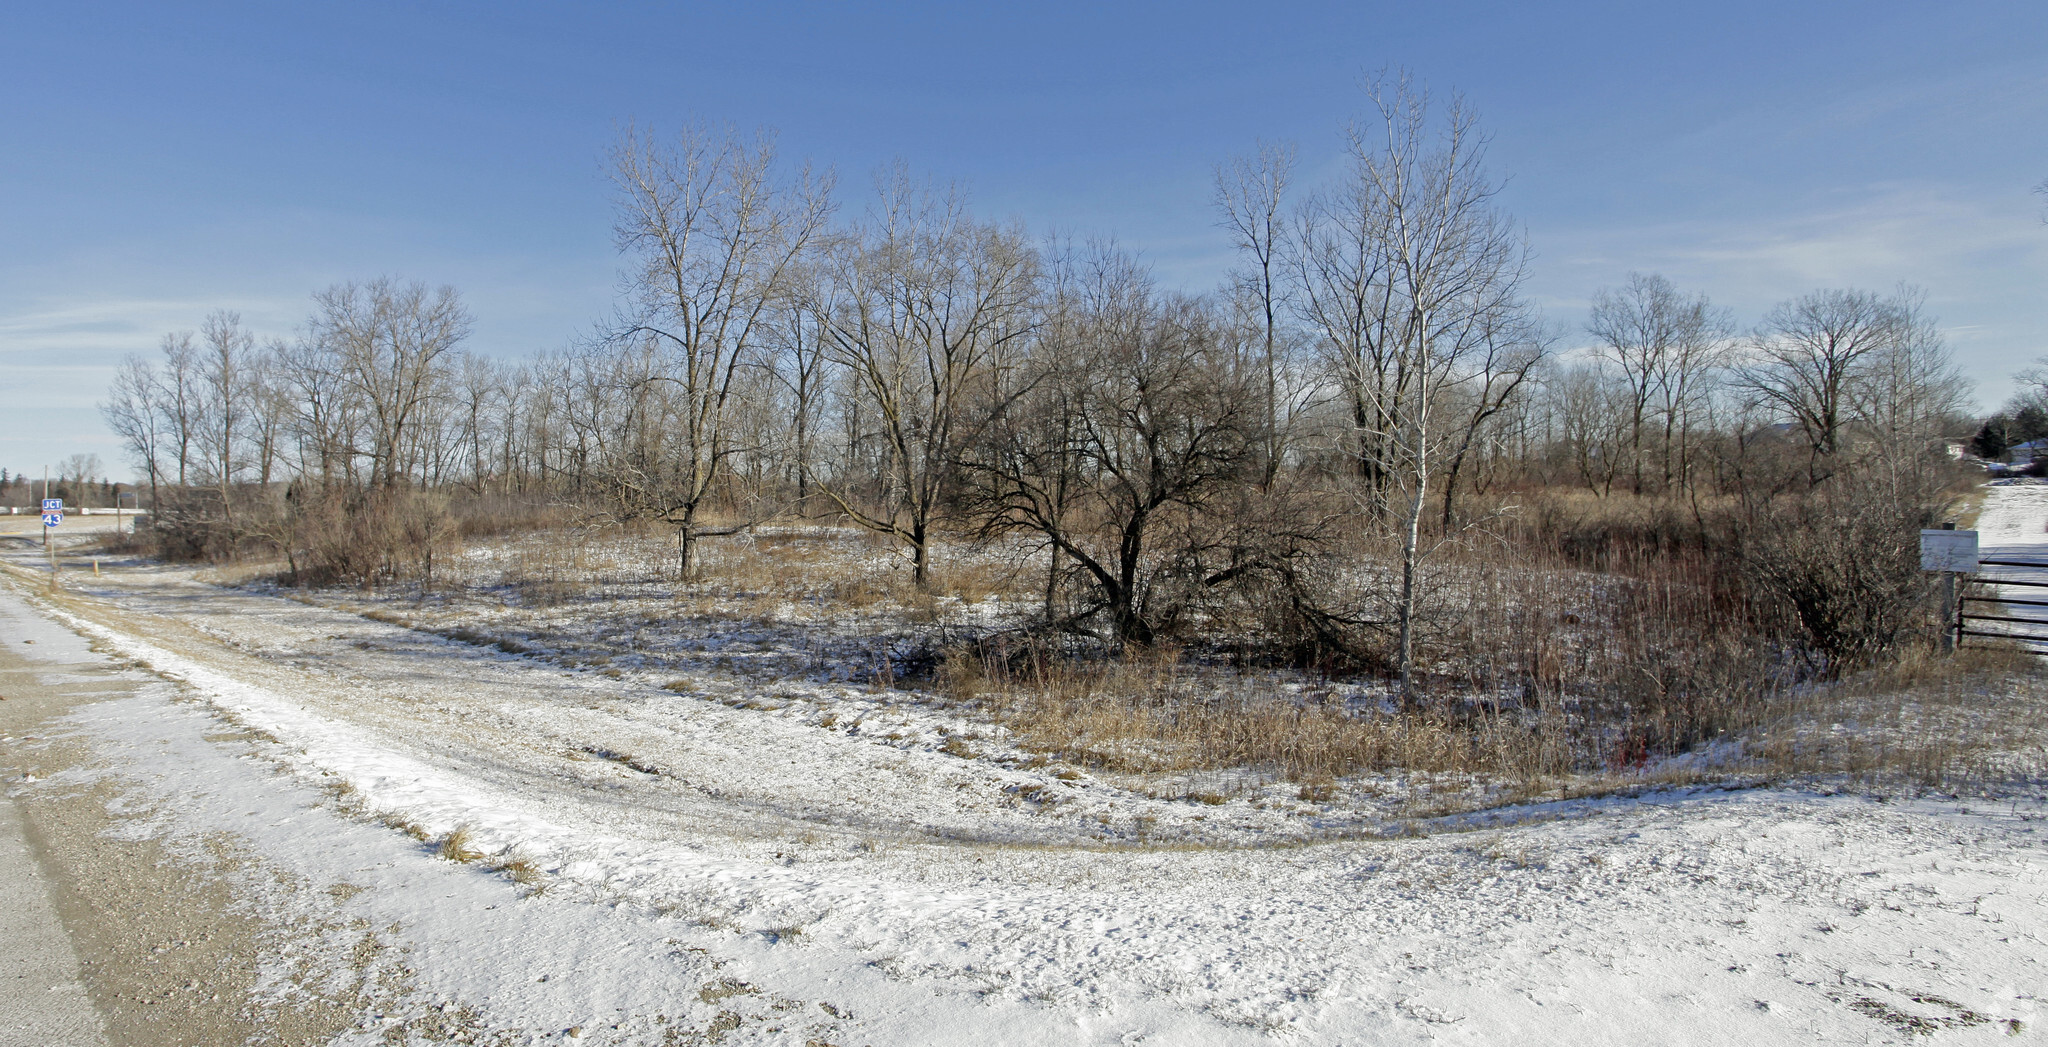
557,566
459,846
975,579
834,566
823,564
230,575
1972,723
1975,723
1151,713
525,872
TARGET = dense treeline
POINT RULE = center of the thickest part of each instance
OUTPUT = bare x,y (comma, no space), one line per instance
1370,393
2020,430
79,481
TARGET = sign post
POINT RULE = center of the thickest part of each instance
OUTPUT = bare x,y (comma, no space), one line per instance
53,516
50,505
1951,552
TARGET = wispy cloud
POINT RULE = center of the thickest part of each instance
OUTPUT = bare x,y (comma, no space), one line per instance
127,325
1983,263
58,358
1881,235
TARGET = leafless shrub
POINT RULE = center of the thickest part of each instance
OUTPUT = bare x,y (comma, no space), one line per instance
1843,562
490,515
340,537
185,524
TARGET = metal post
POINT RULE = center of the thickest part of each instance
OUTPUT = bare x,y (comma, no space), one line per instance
1951,614
48,549
1950,622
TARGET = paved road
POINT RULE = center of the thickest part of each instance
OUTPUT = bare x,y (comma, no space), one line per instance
174,944
42,1000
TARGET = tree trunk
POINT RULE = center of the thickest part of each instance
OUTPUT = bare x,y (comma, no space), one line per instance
686,544
1451,485
1411,535
920,557
1052,586
1131,627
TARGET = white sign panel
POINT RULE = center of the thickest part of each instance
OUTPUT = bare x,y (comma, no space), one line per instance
1948,551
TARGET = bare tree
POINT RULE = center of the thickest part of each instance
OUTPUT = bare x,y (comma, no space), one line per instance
1589,409
387,344
1342,269
327,426
1910,394
714,238
80,469
925,306
1430,271
797,365
1249,193
1508,350
481,407
1808,356
1663,343
2034,383
224,364
272,410
158,412
134,411
225,370
180,399
1137,416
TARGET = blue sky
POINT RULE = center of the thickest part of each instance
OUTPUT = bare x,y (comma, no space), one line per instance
160,161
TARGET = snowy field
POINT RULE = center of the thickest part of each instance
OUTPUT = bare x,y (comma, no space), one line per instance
730,842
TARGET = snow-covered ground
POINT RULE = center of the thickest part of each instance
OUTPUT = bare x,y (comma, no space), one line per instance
668,850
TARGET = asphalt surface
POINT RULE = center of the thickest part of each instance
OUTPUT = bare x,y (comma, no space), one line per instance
43,1000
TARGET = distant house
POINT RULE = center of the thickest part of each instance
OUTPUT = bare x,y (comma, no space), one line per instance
2022,458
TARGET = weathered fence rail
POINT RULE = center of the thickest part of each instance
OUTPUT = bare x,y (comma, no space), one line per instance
2034,633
